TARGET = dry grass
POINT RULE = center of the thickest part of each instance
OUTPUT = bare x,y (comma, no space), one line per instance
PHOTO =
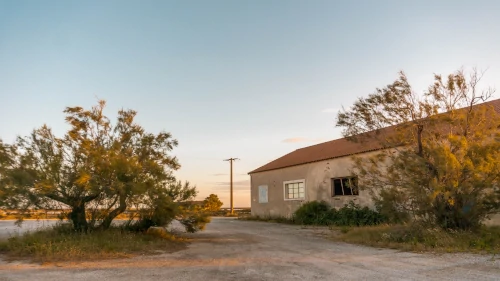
272,219
28,217
420,239
61,244
44,216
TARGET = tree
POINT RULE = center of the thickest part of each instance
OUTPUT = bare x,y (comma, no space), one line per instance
441,156
212,203
97,170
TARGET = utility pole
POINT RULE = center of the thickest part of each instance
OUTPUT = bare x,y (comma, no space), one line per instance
231,182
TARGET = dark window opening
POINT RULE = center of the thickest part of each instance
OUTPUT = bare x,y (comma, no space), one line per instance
345,186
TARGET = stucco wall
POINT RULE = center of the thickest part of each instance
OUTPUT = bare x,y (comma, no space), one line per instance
317,177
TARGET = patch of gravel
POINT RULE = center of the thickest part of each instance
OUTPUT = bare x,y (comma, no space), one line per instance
232,249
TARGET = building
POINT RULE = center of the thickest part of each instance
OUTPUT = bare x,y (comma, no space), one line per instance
318,172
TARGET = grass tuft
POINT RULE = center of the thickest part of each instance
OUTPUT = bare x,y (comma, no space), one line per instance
272,219
420,239
60,243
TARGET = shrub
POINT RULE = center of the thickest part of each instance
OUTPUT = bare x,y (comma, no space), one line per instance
353,215
194,221
313,212
391,204
160,212
320,213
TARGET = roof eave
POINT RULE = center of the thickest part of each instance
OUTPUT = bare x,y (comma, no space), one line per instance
309,162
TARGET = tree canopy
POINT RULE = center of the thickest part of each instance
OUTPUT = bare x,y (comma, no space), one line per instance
441,164
212,203
97,170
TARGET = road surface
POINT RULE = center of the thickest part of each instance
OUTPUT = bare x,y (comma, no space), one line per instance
231,249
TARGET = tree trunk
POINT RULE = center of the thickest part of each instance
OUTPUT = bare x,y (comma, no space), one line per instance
106,223
420,149
78,217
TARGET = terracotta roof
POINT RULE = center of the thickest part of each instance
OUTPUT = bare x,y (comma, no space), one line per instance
329,150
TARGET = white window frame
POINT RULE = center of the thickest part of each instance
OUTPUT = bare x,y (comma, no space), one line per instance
267,193
293,181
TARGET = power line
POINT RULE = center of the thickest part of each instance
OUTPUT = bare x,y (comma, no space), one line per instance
231,160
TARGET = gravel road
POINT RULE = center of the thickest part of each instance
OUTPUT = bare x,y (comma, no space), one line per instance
231,249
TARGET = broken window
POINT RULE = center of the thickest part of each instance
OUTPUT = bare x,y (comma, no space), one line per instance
345,186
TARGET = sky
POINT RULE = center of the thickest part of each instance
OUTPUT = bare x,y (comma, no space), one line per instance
248,79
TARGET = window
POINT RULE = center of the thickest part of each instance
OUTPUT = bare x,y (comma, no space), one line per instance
294,190
345,186
263,194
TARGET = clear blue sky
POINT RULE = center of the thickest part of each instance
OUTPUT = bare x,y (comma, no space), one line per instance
229,78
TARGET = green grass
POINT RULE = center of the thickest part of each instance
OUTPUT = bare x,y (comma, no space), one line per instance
61,244
421,239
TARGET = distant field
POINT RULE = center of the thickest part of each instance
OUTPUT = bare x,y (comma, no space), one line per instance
61,214
42,214
8,228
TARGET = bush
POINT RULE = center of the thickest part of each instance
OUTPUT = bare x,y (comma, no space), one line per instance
162,211
194,221
353,215
159,213
313,212
320,213
391,204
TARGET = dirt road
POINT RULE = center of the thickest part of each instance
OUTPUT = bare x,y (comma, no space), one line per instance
239,250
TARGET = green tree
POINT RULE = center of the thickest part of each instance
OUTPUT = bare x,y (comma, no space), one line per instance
97,170
212,203
441,162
